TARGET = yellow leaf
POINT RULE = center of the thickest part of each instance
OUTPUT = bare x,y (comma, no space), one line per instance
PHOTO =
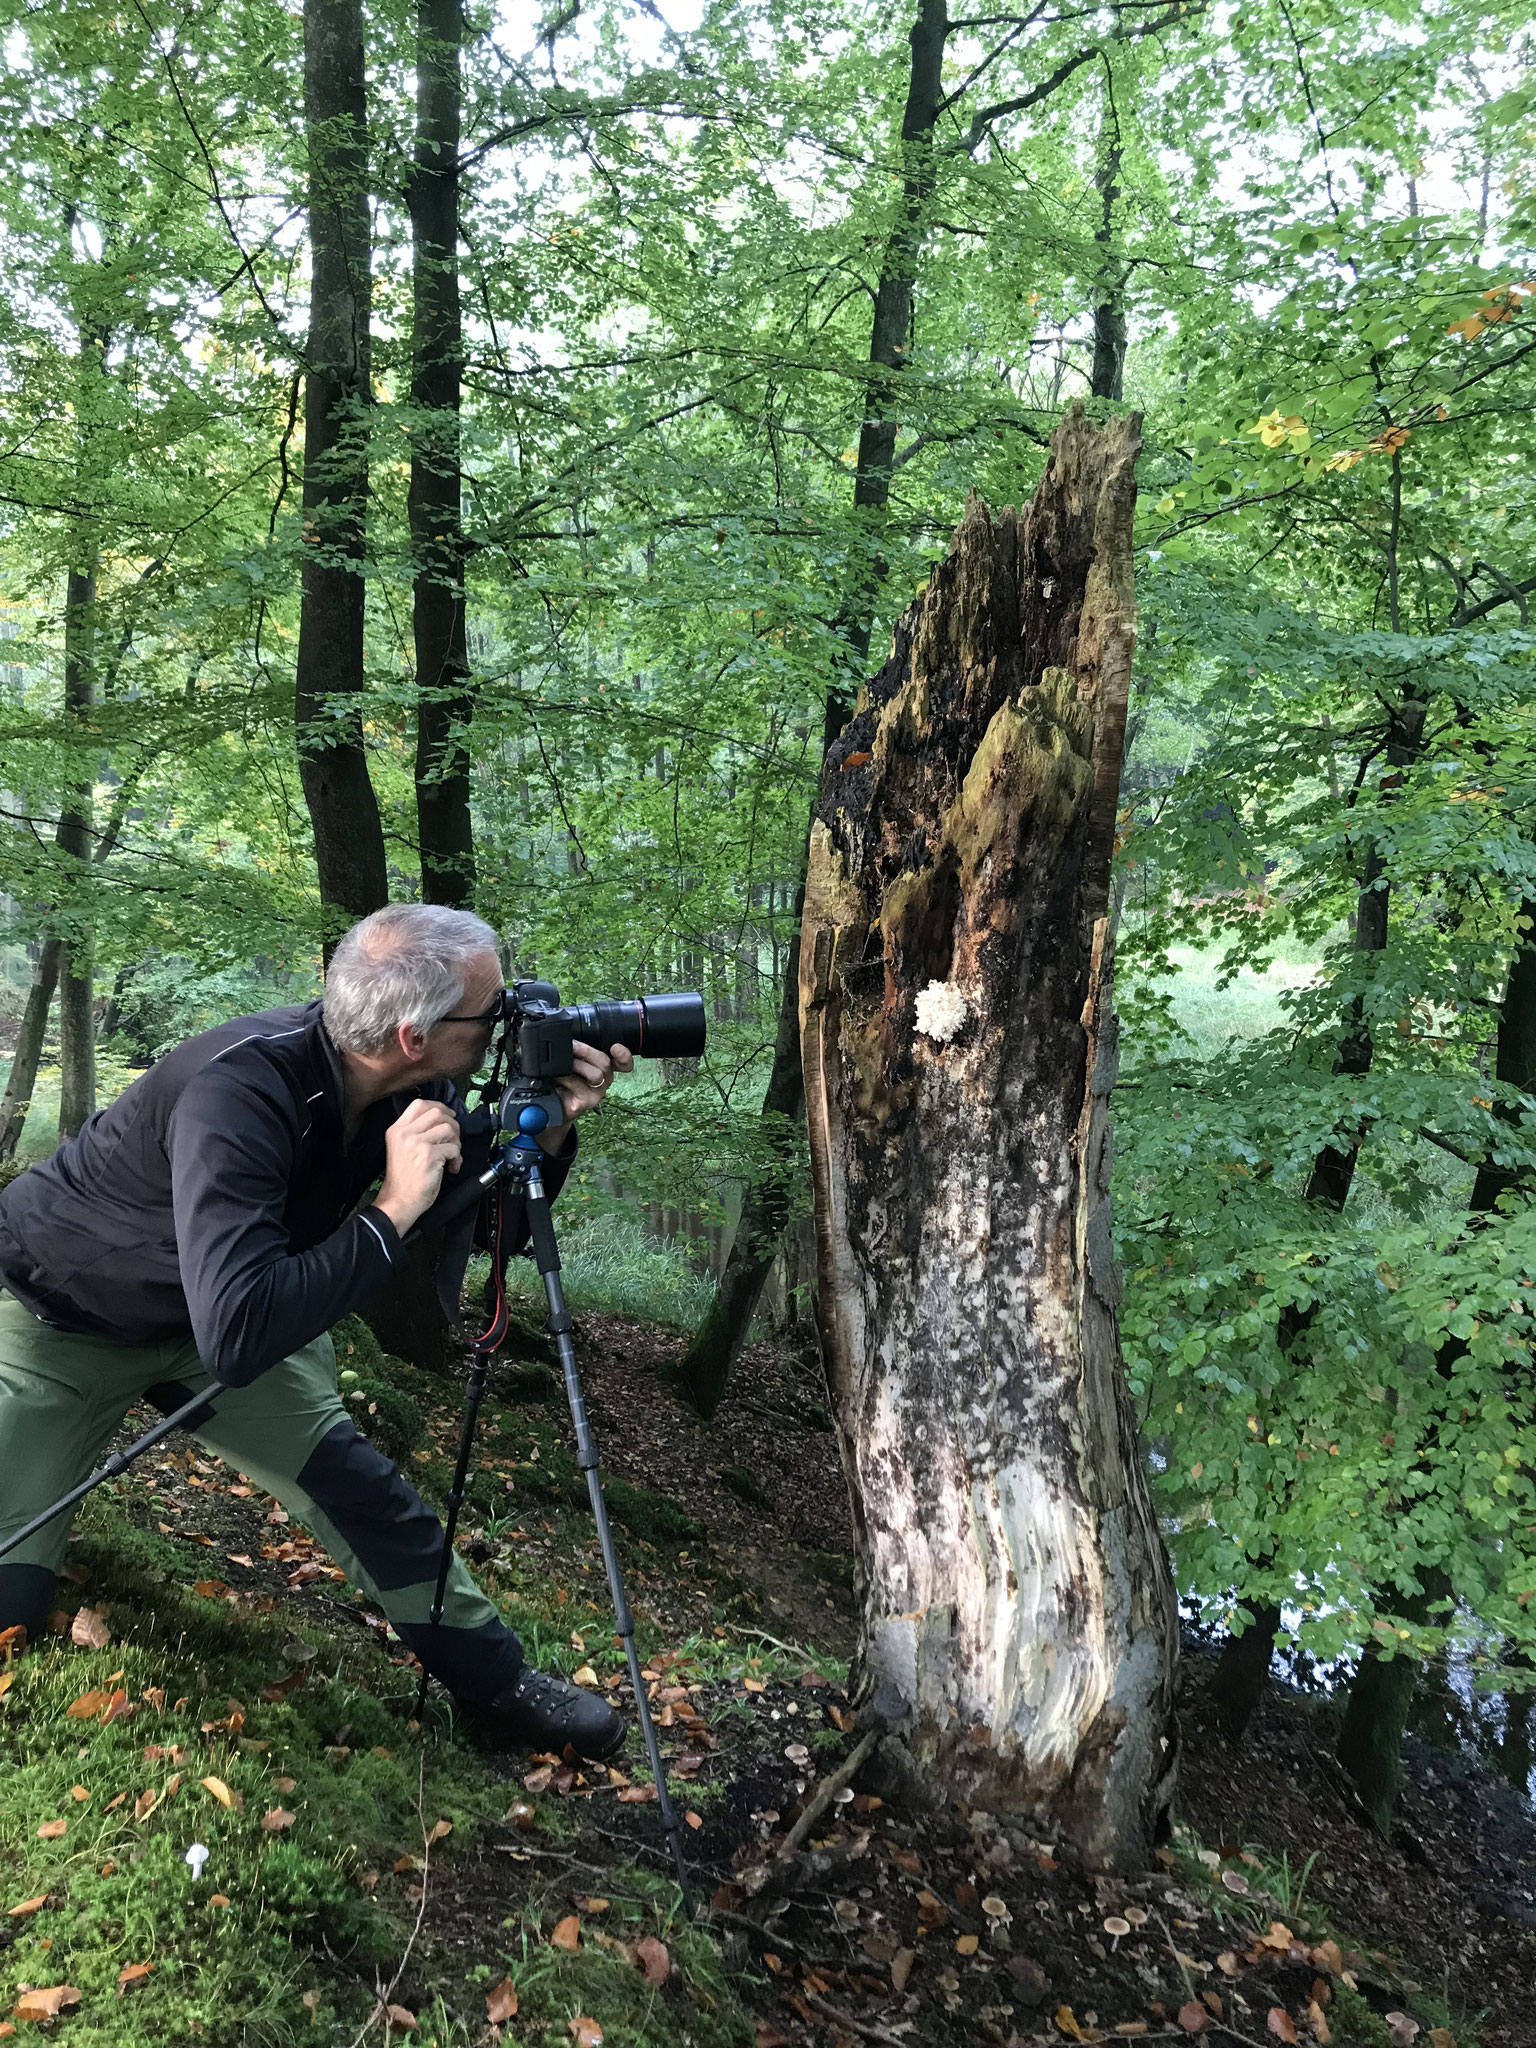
584,1675
219,1789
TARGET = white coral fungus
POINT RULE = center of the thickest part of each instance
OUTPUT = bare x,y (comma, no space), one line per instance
941,1010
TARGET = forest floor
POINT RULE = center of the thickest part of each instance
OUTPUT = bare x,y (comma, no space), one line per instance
213,1680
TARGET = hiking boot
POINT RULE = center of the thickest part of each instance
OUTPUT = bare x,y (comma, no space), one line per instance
540,1711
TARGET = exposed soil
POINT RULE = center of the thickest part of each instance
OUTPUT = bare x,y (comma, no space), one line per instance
942,1927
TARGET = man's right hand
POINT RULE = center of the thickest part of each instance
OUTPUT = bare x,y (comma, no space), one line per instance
419,1147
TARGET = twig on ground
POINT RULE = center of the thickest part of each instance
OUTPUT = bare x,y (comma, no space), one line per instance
884,2035
761,1635
825,1793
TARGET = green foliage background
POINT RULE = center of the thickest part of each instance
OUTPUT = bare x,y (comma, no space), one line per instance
1319,230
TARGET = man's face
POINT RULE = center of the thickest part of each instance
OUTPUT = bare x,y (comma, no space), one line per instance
459,1047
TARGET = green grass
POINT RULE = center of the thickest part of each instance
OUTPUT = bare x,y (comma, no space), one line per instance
612,1267
311,1914
1247,1008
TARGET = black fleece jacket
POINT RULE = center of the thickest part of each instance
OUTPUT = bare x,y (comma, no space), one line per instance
219,1195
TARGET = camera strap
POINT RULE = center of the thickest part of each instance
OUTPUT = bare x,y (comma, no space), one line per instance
494,1333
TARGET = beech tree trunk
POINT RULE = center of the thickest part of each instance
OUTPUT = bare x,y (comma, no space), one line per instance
333,765
1243,1668
443,705
705,1371
77,978
1107,375
1019,1626
22,1078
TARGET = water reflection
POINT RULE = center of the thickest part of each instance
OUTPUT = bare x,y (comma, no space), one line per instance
1450,1710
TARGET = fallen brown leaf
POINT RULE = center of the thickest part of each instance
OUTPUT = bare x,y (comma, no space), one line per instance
276,1818
399,2017
901,1967
636,1795
132,1973
567,1934
46,2005
87,1707
1280,2024
652,1959
1194,2018
438,1830
585,2032
89,1628
28,1906
51,1830
501,2002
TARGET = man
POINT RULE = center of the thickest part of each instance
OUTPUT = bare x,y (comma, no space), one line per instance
206,1231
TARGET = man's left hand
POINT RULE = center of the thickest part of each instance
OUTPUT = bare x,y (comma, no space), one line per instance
593,1074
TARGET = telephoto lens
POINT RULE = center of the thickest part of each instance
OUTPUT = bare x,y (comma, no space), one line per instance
665,1027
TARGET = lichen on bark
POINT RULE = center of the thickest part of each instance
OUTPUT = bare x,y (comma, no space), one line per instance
1018,1617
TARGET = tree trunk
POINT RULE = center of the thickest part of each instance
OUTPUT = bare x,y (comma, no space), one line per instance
890,340
328,688
704,1373
1242,1670
1019,1625
1238,1683
1107,377
22,1078
1515,1053
443,703
1370,1743
77,1033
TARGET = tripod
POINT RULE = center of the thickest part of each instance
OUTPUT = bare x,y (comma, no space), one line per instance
517,1165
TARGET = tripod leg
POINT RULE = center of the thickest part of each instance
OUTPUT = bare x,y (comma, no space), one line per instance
474,1394
547,1256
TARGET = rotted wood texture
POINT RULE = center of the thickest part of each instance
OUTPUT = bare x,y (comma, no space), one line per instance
959,1046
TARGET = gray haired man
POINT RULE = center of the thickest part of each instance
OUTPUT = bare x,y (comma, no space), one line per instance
208,1229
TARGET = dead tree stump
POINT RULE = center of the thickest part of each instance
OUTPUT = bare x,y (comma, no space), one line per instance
959,1044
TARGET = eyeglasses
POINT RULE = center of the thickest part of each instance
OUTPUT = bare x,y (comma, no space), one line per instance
484,1018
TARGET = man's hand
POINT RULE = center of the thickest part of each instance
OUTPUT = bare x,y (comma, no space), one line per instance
584,1088
419,1147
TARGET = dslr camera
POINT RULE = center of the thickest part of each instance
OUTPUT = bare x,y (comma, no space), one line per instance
539,1033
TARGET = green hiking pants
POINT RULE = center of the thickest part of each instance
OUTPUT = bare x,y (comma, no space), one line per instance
63,1397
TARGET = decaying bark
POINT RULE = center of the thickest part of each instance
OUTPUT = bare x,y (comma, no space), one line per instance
1019,1619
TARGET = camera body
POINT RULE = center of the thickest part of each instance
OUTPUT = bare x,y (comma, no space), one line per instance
544,1033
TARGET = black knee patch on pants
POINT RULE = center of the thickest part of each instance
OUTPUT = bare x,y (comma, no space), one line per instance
397,1538
476,1664
26,1597
398,1541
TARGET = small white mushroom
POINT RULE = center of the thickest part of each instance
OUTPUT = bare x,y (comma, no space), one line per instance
195,1858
